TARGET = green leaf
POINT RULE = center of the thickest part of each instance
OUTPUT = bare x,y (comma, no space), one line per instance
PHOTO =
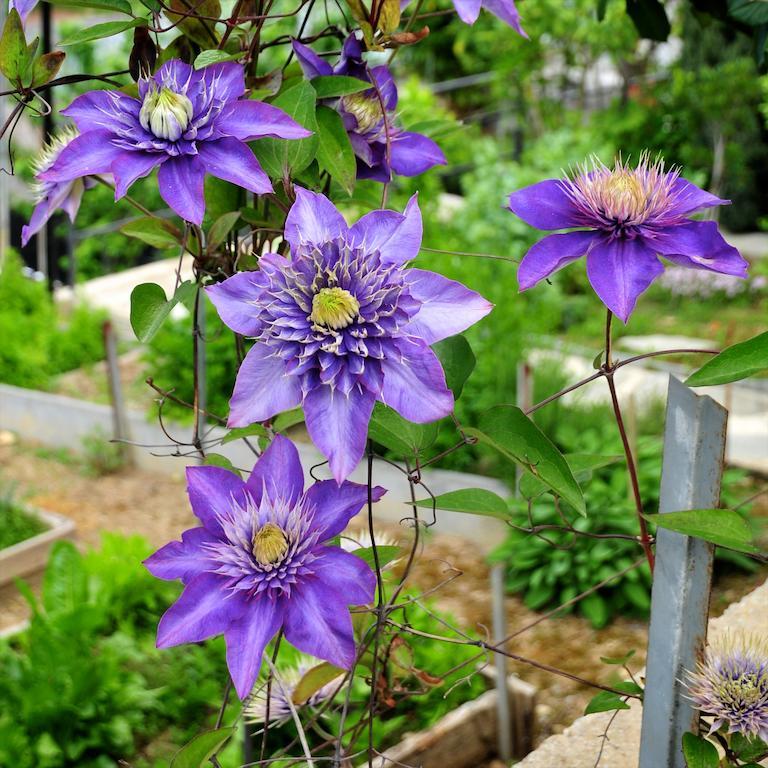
220,228
282,158
392,431
333,86
389,16
605,701
582,465
650,19
458,361
619,660
120,6
386,552
629,687
595,609
313,680
255,430
154,232
748,748
13,48
334,150
46,67
65,584
752,12
474,501
98,31
204,58
514,435
221,197
699,753
197,753
724,527
734,363
288,419
217,460
602,6
198,28
150,307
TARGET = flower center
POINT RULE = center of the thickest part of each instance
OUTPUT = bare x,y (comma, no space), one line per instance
624,195
165,113
269,544
365,109
334,308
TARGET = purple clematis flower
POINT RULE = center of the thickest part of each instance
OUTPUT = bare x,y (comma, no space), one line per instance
469,10
188,122
625,218
369,126
52,195
341,324
23,7
260,563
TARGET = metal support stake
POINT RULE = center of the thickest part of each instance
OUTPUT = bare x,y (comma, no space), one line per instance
694,450
119,421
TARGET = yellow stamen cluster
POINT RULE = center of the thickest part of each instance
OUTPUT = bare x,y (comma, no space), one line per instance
365,109
269,544
334,308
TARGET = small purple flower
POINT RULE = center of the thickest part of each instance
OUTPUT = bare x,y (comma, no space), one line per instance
23,7
380,145
260,563
341,324
624,219
730,684
188,122
52,195
469,10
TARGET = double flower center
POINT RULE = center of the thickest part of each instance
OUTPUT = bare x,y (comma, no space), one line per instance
269,544
334,308
165,113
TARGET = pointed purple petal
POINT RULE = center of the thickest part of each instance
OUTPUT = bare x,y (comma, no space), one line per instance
415,385
396,237
89,153
66,193
262,389
279,471
103,110
129,166
224,78
386,85
23,8
233,161
335,505
506,11
318,624
313,219
249,119
468,10
349,576
700,245
552,253
212,492
206,608
338,426
545,205
689,198
447,307
620,270
181,186
235,300
311,64
413,153
247,638
182,559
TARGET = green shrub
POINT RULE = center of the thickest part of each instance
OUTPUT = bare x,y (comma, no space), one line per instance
16,524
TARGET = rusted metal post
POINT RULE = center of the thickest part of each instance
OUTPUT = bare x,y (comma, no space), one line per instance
694,453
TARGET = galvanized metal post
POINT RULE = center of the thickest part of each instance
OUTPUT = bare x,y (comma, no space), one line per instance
694,449
119,418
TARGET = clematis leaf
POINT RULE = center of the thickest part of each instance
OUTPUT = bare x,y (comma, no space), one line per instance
386,553
220,228
605,701
392,431
724,527
13,48
389,16
334,150
734,363
213,57
150,307
582,465
313,680
458,361
154,232
514,435
698,752
99,31
474,501
752,12
120,6
197,753
45,67
333,86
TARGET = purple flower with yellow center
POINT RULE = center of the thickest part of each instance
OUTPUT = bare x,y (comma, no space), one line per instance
730,684
187,122
52,195
469,10
260,562
624,219
380,145
342,323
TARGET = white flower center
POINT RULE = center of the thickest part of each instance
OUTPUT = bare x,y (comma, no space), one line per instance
165,113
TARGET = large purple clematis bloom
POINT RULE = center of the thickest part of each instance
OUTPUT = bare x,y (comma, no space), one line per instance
469,10
260,563
369,127
341,324
188,122
625,218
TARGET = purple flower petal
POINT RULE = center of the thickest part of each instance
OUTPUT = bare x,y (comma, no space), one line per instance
620,270
413,153
349,576
320,625
396,237
235,300
262,388
86,154
66,195
129,166
211,492
689,198
386,85
700,245
181,186
506,11
336,505
415,385
204,609
311,64
103,109
247,638
279,472
313,218
545,205
338,426
226,79
233,161
447,307
23,8
468,10
552,253
181,559
251,119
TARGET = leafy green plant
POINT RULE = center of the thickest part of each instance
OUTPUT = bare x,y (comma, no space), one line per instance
100,456
16,523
